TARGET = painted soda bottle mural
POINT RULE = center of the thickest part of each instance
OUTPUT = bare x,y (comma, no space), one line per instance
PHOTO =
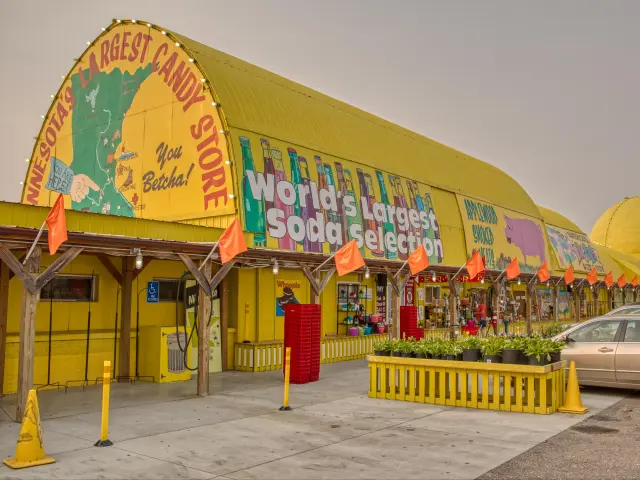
309,246
338,217
351,191
398,202
268,167
414,200
254,220
368,193
342,188
428,205
286,242
425,206
323,183
296,179
388,226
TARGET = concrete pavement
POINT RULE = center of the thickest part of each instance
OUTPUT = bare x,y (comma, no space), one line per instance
335,431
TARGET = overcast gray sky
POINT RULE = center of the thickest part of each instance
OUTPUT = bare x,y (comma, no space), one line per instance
545,90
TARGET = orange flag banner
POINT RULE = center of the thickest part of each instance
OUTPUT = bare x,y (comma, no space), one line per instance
348,258
543,272
475,265
231,242
57,225
513,269
622,281
592,277
608,280
634,281
569,277
418,260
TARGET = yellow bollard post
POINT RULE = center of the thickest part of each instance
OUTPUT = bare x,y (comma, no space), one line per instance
287,370
106,387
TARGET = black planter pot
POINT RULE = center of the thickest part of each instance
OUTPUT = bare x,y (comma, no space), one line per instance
396,354
556,357
532,360
471,355
492,358
436,356
512,356
429,355
382,353
406,354
420,355
450,357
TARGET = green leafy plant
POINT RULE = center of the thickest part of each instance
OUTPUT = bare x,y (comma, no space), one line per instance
469,342
383,346
540,348
451,347
553,329
516,343
493,346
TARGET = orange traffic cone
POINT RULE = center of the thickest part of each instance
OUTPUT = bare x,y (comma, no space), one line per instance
30,449
572,401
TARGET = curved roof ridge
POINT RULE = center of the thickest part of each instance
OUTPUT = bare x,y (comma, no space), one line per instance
257,100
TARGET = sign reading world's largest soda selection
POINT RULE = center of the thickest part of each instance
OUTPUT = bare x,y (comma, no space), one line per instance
300,200
133,132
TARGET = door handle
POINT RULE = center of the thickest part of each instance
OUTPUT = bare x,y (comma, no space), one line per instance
605,350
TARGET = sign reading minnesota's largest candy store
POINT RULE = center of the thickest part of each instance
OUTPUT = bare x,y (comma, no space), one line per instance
301,200
133,132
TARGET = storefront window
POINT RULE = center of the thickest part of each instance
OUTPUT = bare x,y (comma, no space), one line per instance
170,290
70,288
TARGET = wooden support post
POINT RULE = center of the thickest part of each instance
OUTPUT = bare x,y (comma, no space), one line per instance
4,314
578,303
531,293
224,321
453,310
27,335
125,319
204,315
395,313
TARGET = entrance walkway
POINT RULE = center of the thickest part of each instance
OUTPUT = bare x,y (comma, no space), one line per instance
334,431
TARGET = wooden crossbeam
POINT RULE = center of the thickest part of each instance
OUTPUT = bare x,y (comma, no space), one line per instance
111,268
317,284
58,264
202,280
398,283
28,280
220,274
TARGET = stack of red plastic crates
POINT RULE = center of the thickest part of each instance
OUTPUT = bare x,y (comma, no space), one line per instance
302,335
409,323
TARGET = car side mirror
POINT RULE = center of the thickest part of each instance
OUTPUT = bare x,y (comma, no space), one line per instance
568,339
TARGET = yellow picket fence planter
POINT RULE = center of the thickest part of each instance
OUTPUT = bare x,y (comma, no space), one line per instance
492,386
264,356
340,349
259,357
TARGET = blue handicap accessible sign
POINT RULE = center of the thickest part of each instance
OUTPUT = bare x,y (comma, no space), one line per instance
153,292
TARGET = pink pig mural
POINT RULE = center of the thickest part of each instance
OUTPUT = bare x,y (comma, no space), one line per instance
527,236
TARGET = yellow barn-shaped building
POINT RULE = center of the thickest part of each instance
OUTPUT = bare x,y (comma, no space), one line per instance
157,142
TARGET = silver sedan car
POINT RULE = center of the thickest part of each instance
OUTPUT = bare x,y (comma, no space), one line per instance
628,309
606,350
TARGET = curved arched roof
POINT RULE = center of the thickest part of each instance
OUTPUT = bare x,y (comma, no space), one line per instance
619,227
257,100
554,218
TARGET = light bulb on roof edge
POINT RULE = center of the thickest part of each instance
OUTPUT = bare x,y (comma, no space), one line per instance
139,260
118,20
547,284
367,274
192,60
104,29
149,25
177,44
203,80
133,21
519,281
433,277
482,280
163,32
276,267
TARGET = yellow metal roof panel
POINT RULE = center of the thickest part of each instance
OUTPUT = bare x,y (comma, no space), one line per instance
259,101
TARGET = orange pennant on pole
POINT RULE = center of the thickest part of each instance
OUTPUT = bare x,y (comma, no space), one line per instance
634,281
513,269
592,277
57,225
418,260
622,281
608,280
348,258
231,242
543,272
569,277
475,265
